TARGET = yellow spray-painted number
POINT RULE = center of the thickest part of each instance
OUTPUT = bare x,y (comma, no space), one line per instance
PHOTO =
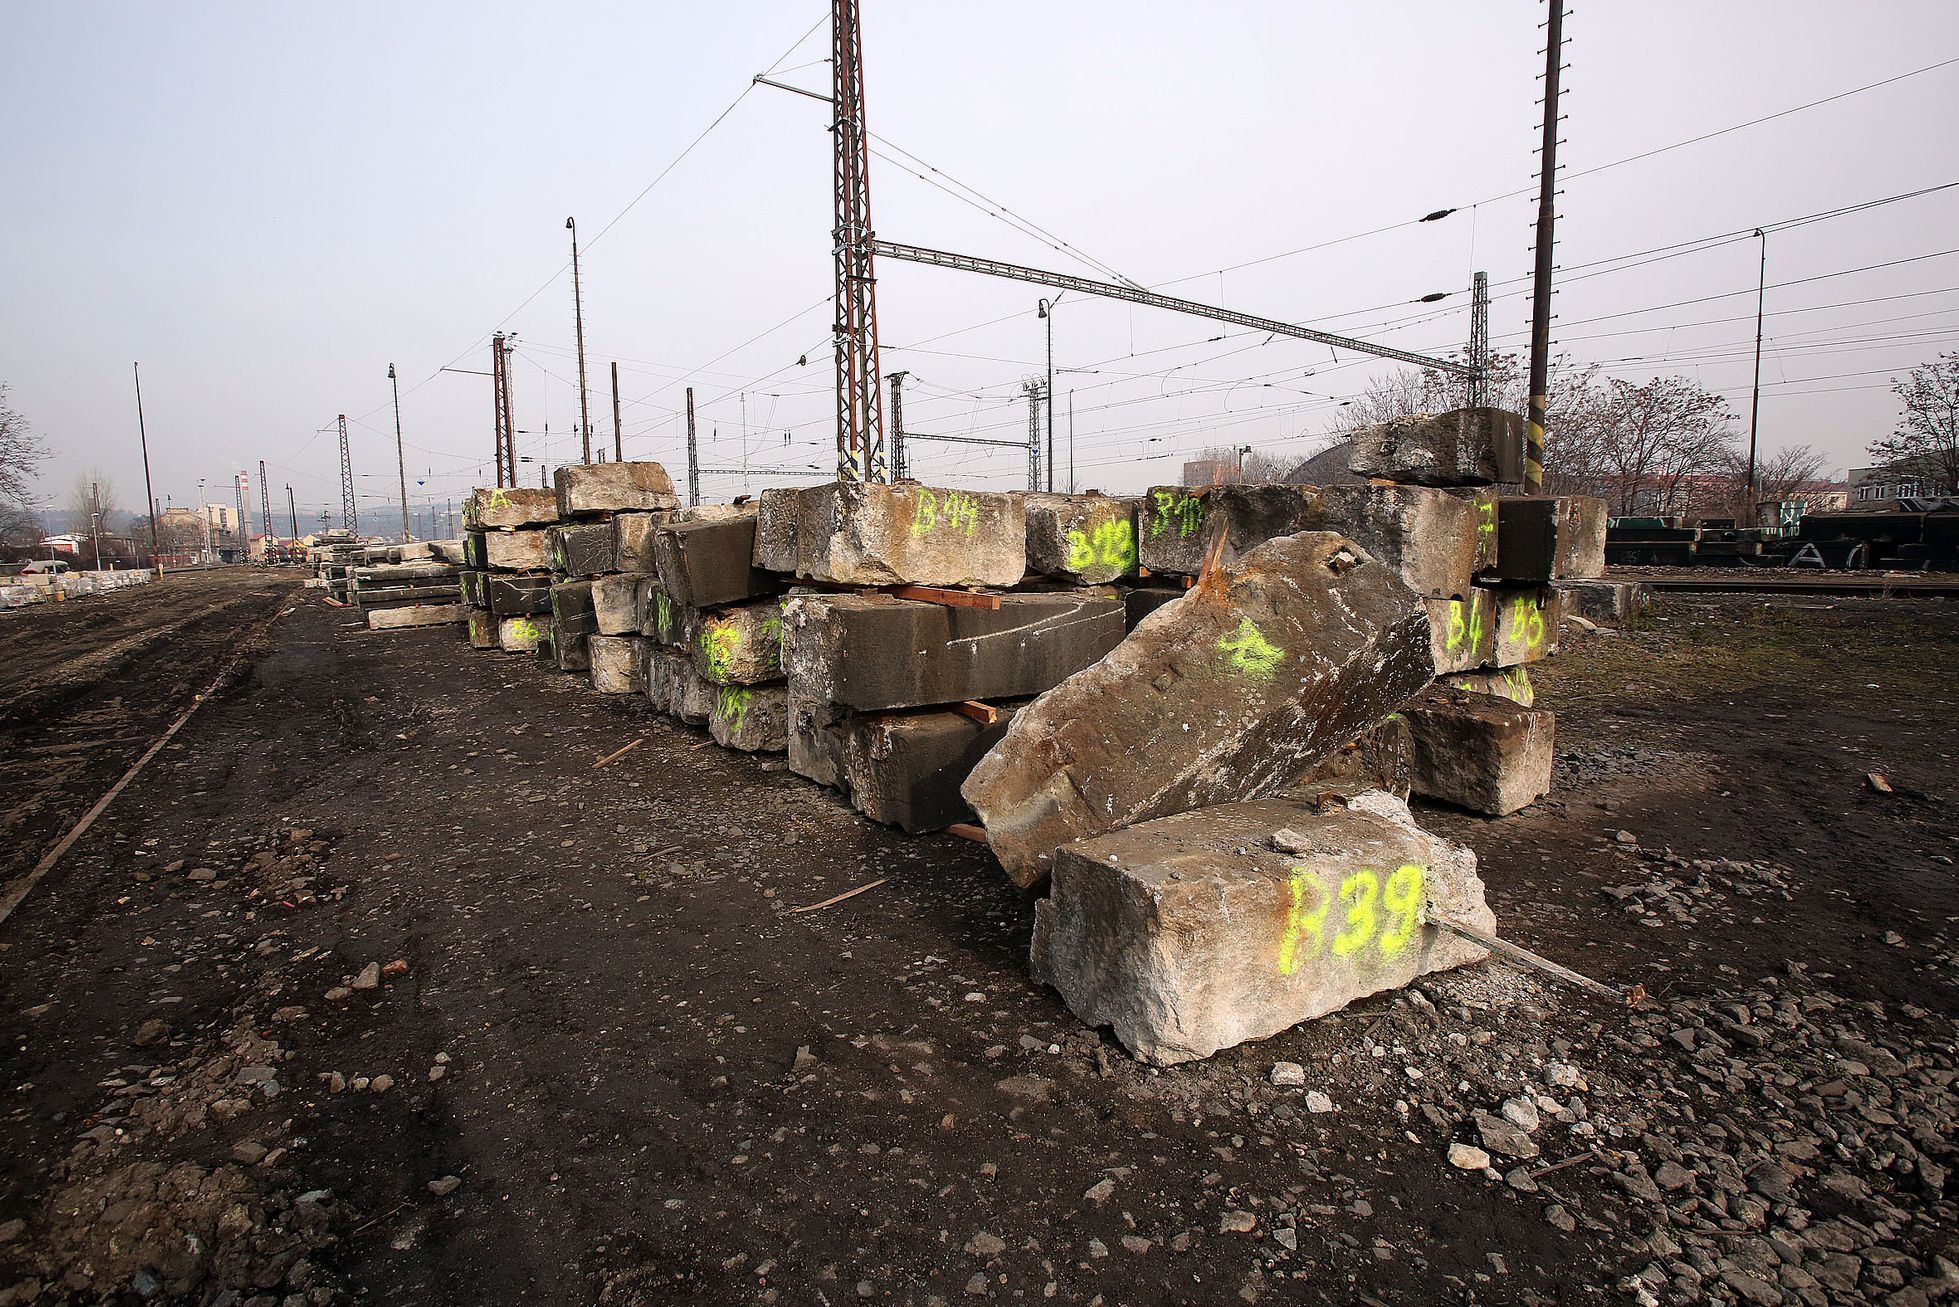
719,640
1112,545
1528,619
958,511
1465,624
499,498
1362,896
523,628
1187,511
1247,651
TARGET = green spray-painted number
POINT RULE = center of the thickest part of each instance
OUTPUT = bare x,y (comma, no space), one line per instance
1527,618
1185,510
958,511
1364,900
523,628
1465,624
1248,652
1112,545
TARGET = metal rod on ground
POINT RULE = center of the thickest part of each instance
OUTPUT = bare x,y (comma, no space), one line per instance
578,317
156,555
1540,304
1755,400
1536,962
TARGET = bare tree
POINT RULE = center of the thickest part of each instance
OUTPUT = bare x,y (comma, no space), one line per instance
1789,473
1659,439
1926,441
93,497
21,524
21,451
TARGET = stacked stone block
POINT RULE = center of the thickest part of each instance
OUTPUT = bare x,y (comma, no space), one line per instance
506,567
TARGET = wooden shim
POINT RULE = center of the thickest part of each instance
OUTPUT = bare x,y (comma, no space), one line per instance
1537,962
983,713
967,830
838,898
933,594
618,753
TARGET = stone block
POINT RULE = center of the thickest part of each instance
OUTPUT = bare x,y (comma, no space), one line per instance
1466,447
718,512
568,645
1543,538
520,634
632,540
615,604
1090,539
1604,603
1526,625
1436,540
491,507
1512,683
474,550
1196,932
482,629
778,519
740,645
1479,752
470,581
1140,601
853,533
1265,668
1382,758
905,768
583,548
872,651
690,696
588,488
528,550
410,615
618,666
816,738
664,620
710,563
511,594
752,718
1176,525
1462,631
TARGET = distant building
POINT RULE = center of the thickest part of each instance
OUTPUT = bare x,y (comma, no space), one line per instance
1215,471
1878,489
61,544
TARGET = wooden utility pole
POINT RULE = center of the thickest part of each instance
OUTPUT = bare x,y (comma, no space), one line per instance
578,318
142,432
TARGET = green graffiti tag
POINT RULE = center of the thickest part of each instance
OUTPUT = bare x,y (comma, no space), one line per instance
663,615
1248,652
731,704
1364,900
1185,510
958,511
1112,545
719,640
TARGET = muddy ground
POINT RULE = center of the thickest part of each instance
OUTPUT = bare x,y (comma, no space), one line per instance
373,989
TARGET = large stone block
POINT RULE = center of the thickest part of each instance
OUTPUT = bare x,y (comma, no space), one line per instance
1467,447
871,651
615,604
632,540
1196,932
1381,758
1262,670
568,645
583,548
743,507
752,718
490,507
482,629
1436,540
587,488
816,738
664,620
1512,683
740,645
1542,538
1462,630
690,696
778,530
1526,625
707,564
474,550
1176,525
1140,601
618,666
1605,603
1090,539
1480,752
905,768
470,581
511,594
520,634
528,550
853,533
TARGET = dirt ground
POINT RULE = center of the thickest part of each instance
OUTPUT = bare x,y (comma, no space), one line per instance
373,988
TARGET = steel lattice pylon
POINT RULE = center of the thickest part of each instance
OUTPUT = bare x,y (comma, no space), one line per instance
349,515
860,420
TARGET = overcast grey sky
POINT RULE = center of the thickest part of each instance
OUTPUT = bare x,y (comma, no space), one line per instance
268,204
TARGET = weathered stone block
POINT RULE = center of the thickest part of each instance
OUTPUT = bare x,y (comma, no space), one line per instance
586,488
474,550
470,581
1436,540
568,644
740,645
690,695
1606,603
1382,758
1479,752
752,718
1176,525
617,664
528,550
511,594
615,604
1262,670
482,629
853,533
1140,601
1544,538
1526,625
816,738
871,651
583,548
632,540
520,634
718,512
1196,932
664,620
1512,683
905,769
1466,447
1090,539
777,528
411,615
1462,631
710,563
490,507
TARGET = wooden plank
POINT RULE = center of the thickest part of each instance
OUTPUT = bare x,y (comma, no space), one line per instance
983,713
967,830
932,594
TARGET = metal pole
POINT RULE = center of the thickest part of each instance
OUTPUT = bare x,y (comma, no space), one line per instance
578,316
1540,315
693,457
1048,313
1755,401
264,506
1033,389
898,469
618,436
204,511
509,417
94,518
496,401
156,554
401,461
350,513
1071,442
292,509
